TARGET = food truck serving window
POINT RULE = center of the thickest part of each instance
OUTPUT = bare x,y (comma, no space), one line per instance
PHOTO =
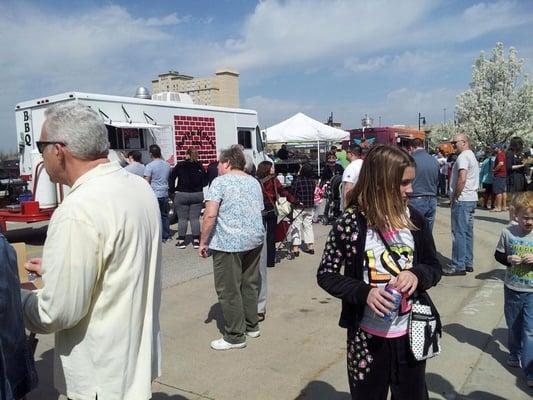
125,138
133,138
244,138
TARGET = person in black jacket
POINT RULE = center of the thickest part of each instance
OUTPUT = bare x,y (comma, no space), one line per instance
330,169
377,219
17,369
189,197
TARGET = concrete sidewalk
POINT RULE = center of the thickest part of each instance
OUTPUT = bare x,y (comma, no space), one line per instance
301,351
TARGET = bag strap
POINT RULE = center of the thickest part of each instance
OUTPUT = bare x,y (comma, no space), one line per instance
276,190
422,295
395,256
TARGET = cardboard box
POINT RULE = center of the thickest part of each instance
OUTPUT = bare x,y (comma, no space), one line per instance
20,249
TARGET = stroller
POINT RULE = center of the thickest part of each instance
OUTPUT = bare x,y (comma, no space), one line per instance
332,208
283,235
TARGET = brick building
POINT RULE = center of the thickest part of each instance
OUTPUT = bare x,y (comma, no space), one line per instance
222,89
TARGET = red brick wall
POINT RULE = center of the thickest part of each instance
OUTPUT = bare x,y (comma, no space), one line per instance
195,133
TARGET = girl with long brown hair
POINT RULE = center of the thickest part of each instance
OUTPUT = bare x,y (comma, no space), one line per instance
272,189
380,241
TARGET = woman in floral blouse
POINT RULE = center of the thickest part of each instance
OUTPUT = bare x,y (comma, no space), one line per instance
378,350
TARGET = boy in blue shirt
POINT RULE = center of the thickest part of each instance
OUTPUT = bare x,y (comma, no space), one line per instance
515,250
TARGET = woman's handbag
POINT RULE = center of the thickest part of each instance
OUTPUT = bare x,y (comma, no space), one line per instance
282,208
425,328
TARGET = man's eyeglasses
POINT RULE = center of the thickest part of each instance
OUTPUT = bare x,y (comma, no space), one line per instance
454,143
42,144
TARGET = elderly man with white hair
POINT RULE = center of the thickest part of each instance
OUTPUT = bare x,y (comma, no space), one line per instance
100,265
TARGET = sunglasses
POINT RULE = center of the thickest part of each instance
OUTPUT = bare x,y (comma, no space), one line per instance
456,141
42,144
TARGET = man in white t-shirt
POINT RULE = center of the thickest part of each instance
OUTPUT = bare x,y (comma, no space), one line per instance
464,183
350,175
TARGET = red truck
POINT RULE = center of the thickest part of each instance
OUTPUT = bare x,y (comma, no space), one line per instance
400,136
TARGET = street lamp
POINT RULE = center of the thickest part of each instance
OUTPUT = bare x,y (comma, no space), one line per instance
421,119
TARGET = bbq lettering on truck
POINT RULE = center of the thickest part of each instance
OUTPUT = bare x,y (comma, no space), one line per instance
198,133
27,128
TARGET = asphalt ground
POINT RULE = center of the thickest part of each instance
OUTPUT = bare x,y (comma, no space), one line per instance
301,351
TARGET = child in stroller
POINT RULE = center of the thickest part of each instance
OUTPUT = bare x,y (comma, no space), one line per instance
332,208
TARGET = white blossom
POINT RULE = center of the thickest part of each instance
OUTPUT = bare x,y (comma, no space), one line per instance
499,103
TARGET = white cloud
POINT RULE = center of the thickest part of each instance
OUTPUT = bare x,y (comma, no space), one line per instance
44,44
280,34
272,110
353,64
108,50
475,21
298,31
103,50
171,19
399,106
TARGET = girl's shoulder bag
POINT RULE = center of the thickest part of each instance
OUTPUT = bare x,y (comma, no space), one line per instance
425,327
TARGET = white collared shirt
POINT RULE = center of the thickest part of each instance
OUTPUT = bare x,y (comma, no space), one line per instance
101,268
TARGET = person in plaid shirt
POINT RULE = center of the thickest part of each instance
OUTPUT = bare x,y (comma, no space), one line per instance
303,188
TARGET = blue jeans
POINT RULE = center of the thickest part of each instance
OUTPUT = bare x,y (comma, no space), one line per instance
519,318
427,206
442,185
165,223
463,234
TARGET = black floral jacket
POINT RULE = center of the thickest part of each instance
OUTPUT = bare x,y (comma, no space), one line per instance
346,246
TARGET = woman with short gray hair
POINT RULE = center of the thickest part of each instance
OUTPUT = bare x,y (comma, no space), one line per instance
233,231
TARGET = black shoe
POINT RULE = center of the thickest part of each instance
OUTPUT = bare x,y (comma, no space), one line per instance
271,266
260,316
312,251
448,271
469,269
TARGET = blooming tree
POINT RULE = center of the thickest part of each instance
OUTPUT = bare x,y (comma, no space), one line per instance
441,133
499,103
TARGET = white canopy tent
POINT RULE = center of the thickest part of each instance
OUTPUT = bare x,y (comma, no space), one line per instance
301,128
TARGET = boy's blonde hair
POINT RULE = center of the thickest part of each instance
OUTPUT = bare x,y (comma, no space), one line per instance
522,201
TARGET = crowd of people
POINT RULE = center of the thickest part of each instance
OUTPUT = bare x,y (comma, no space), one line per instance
104,244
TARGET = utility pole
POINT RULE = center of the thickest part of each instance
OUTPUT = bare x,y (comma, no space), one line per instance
421,118
444,115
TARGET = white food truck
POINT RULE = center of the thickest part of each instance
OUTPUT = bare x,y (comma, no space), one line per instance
170,120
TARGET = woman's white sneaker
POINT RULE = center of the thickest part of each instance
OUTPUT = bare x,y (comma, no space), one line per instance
254,334
221,344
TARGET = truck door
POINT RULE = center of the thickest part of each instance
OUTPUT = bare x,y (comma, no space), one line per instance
245,139
250,139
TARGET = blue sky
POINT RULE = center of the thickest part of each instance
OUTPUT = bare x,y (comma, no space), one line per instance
386,58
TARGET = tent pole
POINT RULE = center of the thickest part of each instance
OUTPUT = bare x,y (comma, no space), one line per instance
318,156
